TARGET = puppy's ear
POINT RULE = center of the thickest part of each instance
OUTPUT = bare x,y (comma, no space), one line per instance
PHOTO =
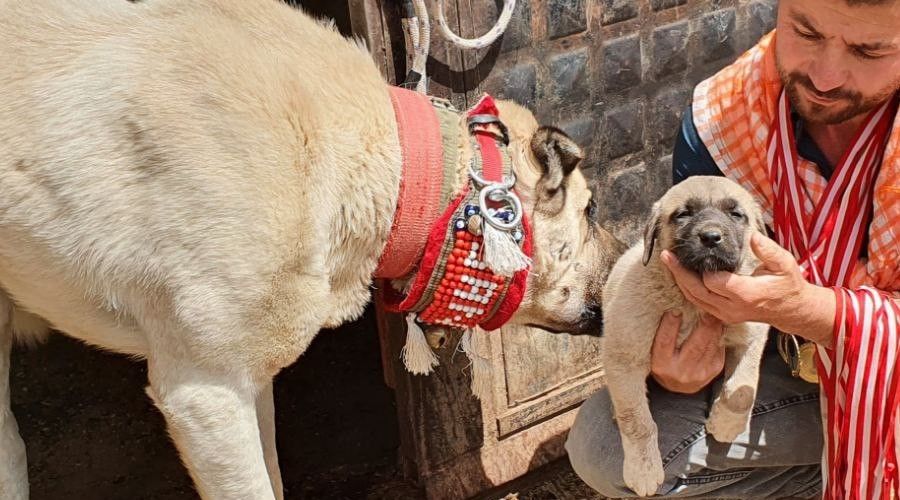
557,156
760,222
651,232
761,226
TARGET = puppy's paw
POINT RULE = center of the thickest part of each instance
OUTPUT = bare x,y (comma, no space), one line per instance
643,472
724,425
737,399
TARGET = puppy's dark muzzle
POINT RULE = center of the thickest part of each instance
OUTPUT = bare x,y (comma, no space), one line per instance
710,238
708,247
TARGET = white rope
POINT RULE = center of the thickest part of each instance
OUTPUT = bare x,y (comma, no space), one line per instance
421,37
419,31
484,40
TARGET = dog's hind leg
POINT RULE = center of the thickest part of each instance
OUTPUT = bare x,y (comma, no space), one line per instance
13,467
211,416
265,414
730,413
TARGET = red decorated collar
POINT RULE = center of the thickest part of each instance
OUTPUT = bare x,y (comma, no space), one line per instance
477,255
477,252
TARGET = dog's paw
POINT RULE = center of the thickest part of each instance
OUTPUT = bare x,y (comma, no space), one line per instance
643,472
725,426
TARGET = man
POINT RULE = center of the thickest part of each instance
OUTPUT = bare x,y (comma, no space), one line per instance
807,121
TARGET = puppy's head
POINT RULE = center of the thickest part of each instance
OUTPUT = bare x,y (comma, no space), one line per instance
706,222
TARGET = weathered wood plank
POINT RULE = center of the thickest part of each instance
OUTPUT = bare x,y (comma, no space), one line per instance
536,362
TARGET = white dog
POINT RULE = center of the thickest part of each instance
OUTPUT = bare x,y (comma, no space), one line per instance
707,223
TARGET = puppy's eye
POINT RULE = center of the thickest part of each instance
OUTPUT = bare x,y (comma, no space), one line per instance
737,215
682,214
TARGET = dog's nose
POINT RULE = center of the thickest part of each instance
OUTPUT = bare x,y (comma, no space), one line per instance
591,321
711,237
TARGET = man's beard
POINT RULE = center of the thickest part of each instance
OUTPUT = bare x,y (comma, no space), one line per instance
847,103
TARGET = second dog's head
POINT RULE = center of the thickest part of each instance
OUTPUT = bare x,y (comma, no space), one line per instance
706,222
573,253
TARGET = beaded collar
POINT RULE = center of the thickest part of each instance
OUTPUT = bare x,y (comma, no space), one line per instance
475,265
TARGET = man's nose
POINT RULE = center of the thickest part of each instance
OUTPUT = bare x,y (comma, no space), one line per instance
826,72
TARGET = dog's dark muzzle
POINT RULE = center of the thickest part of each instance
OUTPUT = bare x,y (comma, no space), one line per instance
591,322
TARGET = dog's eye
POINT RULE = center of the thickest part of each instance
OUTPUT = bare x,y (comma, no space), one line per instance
590,211
737,215
682,214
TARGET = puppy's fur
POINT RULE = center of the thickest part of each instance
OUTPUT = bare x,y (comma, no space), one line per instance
206,184
707,223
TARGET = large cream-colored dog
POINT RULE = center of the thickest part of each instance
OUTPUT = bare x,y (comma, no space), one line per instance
707,223
206,184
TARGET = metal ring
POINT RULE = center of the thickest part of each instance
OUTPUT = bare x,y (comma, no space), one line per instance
475,120
507,183
785,342
500,193
482,119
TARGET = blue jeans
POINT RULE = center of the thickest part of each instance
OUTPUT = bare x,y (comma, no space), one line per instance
779,457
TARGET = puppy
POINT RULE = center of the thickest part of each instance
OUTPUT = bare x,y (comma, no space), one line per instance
707,223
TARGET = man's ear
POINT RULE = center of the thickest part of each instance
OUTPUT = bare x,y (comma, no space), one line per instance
557,156
651,232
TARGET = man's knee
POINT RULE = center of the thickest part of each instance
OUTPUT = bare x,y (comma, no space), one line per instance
595,449
595,445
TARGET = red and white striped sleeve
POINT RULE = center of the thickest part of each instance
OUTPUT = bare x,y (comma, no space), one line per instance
860,377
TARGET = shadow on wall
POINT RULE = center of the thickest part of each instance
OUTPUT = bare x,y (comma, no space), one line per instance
338,10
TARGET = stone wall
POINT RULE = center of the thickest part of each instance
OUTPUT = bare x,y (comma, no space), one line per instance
617,74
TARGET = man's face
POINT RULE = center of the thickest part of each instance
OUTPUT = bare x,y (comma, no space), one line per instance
837,61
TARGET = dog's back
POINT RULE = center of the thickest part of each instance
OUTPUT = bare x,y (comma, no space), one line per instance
146,145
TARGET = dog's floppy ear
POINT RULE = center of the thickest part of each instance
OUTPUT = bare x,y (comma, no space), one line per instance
761,226
755,216
557,156
651,232
760,221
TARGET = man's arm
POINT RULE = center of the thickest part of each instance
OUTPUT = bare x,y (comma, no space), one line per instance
790,303
776,294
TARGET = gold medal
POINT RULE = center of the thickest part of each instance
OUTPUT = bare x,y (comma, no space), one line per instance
806,363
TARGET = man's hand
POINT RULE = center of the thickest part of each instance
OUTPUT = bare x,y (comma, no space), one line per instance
776,293
699,360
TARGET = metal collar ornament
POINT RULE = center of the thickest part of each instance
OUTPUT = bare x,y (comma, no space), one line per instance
475,264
